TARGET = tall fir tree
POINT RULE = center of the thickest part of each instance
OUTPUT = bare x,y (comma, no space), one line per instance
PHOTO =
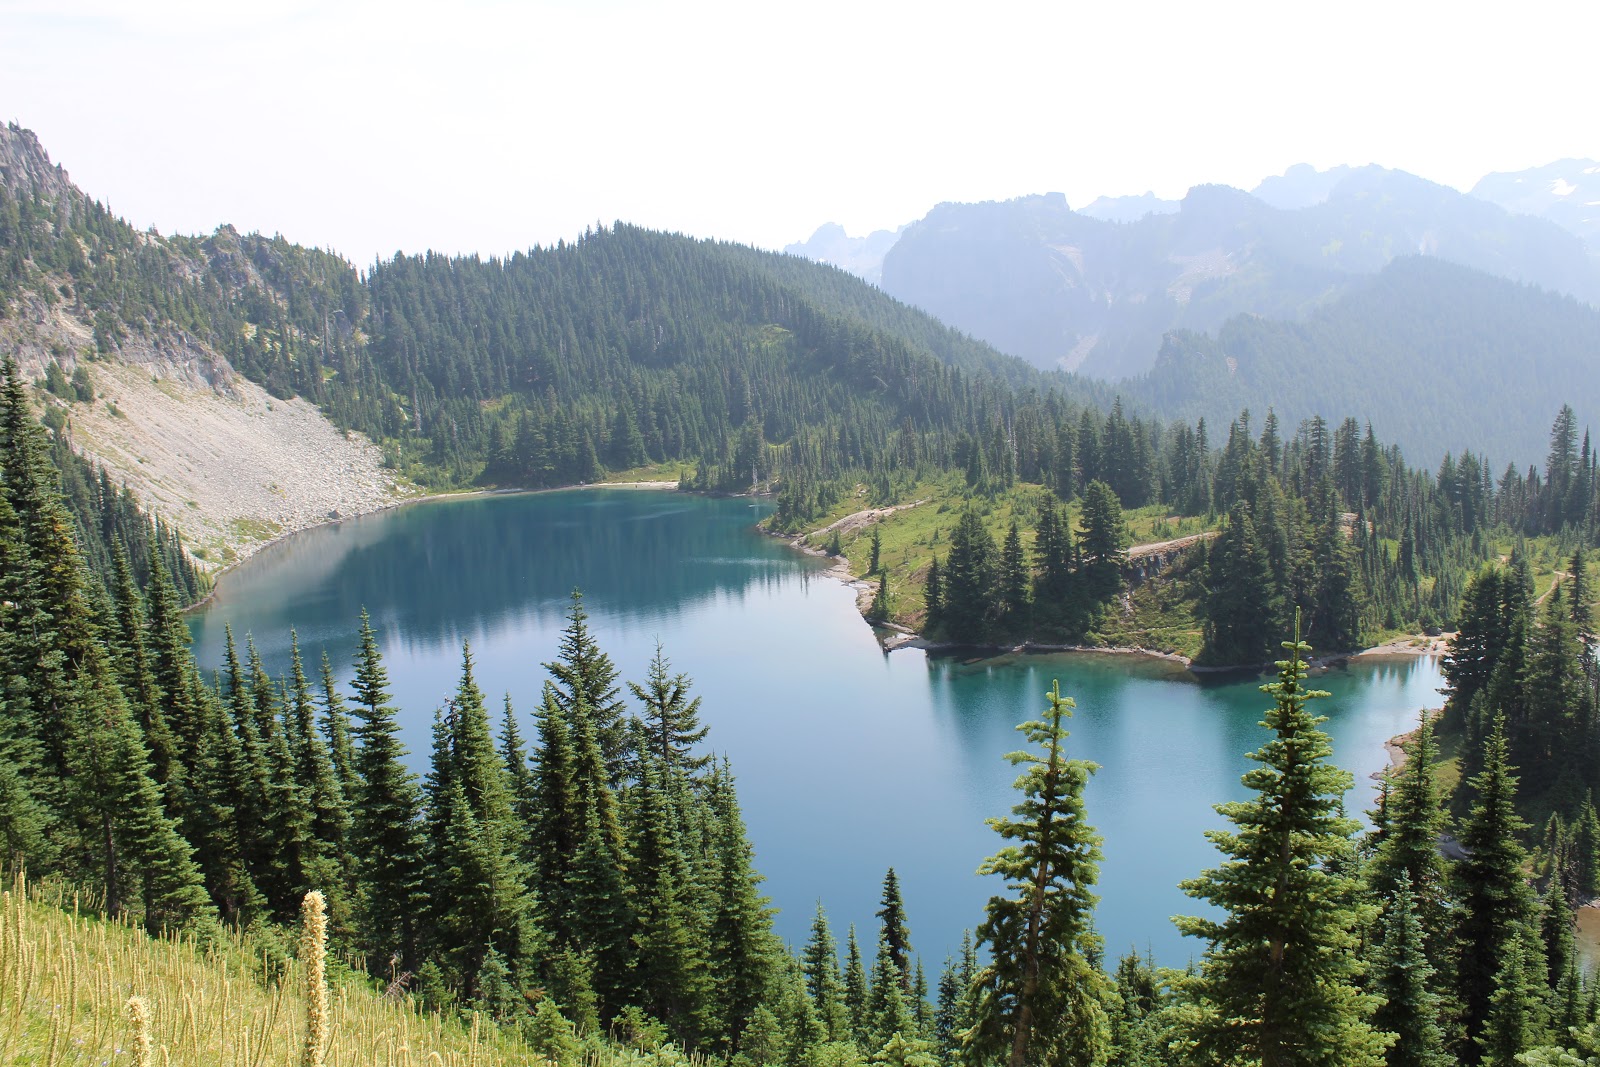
1277,982
671,719
894,932
820,962
384,832
1040,999
1402,976
1495,903
585,683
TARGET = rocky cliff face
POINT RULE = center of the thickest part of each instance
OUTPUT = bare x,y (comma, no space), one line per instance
229,463
25,165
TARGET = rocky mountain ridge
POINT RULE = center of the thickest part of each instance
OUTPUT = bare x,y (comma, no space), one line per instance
196,440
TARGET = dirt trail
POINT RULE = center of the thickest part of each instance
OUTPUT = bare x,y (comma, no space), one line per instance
861,519
1157,548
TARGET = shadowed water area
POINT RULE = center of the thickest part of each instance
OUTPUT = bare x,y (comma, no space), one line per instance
849,761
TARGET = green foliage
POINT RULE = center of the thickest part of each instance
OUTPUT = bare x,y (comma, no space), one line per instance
1040,1000
1277,982
1496,904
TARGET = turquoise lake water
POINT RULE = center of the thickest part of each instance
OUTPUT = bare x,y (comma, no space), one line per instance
849,760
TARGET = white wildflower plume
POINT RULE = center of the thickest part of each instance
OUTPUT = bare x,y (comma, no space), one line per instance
139,1016
314,957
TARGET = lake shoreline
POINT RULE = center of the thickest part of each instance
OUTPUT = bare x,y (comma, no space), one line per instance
402,502
899,637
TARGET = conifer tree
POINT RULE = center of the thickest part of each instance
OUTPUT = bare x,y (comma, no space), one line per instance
921,1006
889,1010
1414,818
553,835
1554,702
1518,1013
327,864
137,841
603,921
946,1019
893,930
804,1033
1276,984
171,663
384,833
820,962
672,979
246,784
967,594
1102,539
586,684
1039,999
289,826
217,780
138,683
879,610
1014,578
741,949
933,596
1495,902
1403,978
899,1051
671,720
855,988
519,775
479,895
336,731
1132,1009
1052,548
1556,932
1241,597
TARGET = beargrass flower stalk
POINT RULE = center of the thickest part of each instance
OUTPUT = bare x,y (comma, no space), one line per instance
314,957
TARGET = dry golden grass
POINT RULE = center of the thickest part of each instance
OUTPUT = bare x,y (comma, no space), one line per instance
76,989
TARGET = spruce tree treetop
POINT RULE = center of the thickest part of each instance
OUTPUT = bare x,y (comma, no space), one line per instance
1039,999
1414,819
671,723
895,933
586,685
1495,900
1277,982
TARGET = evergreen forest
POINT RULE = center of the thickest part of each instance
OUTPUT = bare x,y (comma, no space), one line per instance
572,869
587,884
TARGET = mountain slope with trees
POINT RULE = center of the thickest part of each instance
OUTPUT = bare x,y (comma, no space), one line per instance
1061,288
1432,354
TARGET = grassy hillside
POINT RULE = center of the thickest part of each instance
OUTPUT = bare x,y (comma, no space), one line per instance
66,976
1162,615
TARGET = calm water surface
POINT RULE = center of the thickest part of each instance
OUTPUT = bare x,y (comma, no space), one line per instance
849,761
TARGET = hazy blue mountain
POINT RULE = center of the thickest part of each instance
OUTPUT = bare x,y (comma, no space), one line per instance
1434,354
1566,192
1302,185
1128,208
861,256
1063,289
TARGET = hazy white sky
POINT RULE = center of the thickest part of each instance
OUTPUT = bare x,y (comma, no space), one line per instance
473,125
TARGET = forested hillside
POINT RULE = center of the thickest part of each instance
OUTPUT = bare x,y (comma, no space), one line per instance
1432,354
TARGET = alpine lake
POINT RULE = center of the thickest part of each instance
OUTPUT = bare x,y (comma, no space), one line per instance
849,760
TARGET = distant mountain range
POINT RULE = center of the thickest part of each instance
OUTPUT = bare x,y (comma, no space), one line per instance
1097,290
861,256
1567,193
